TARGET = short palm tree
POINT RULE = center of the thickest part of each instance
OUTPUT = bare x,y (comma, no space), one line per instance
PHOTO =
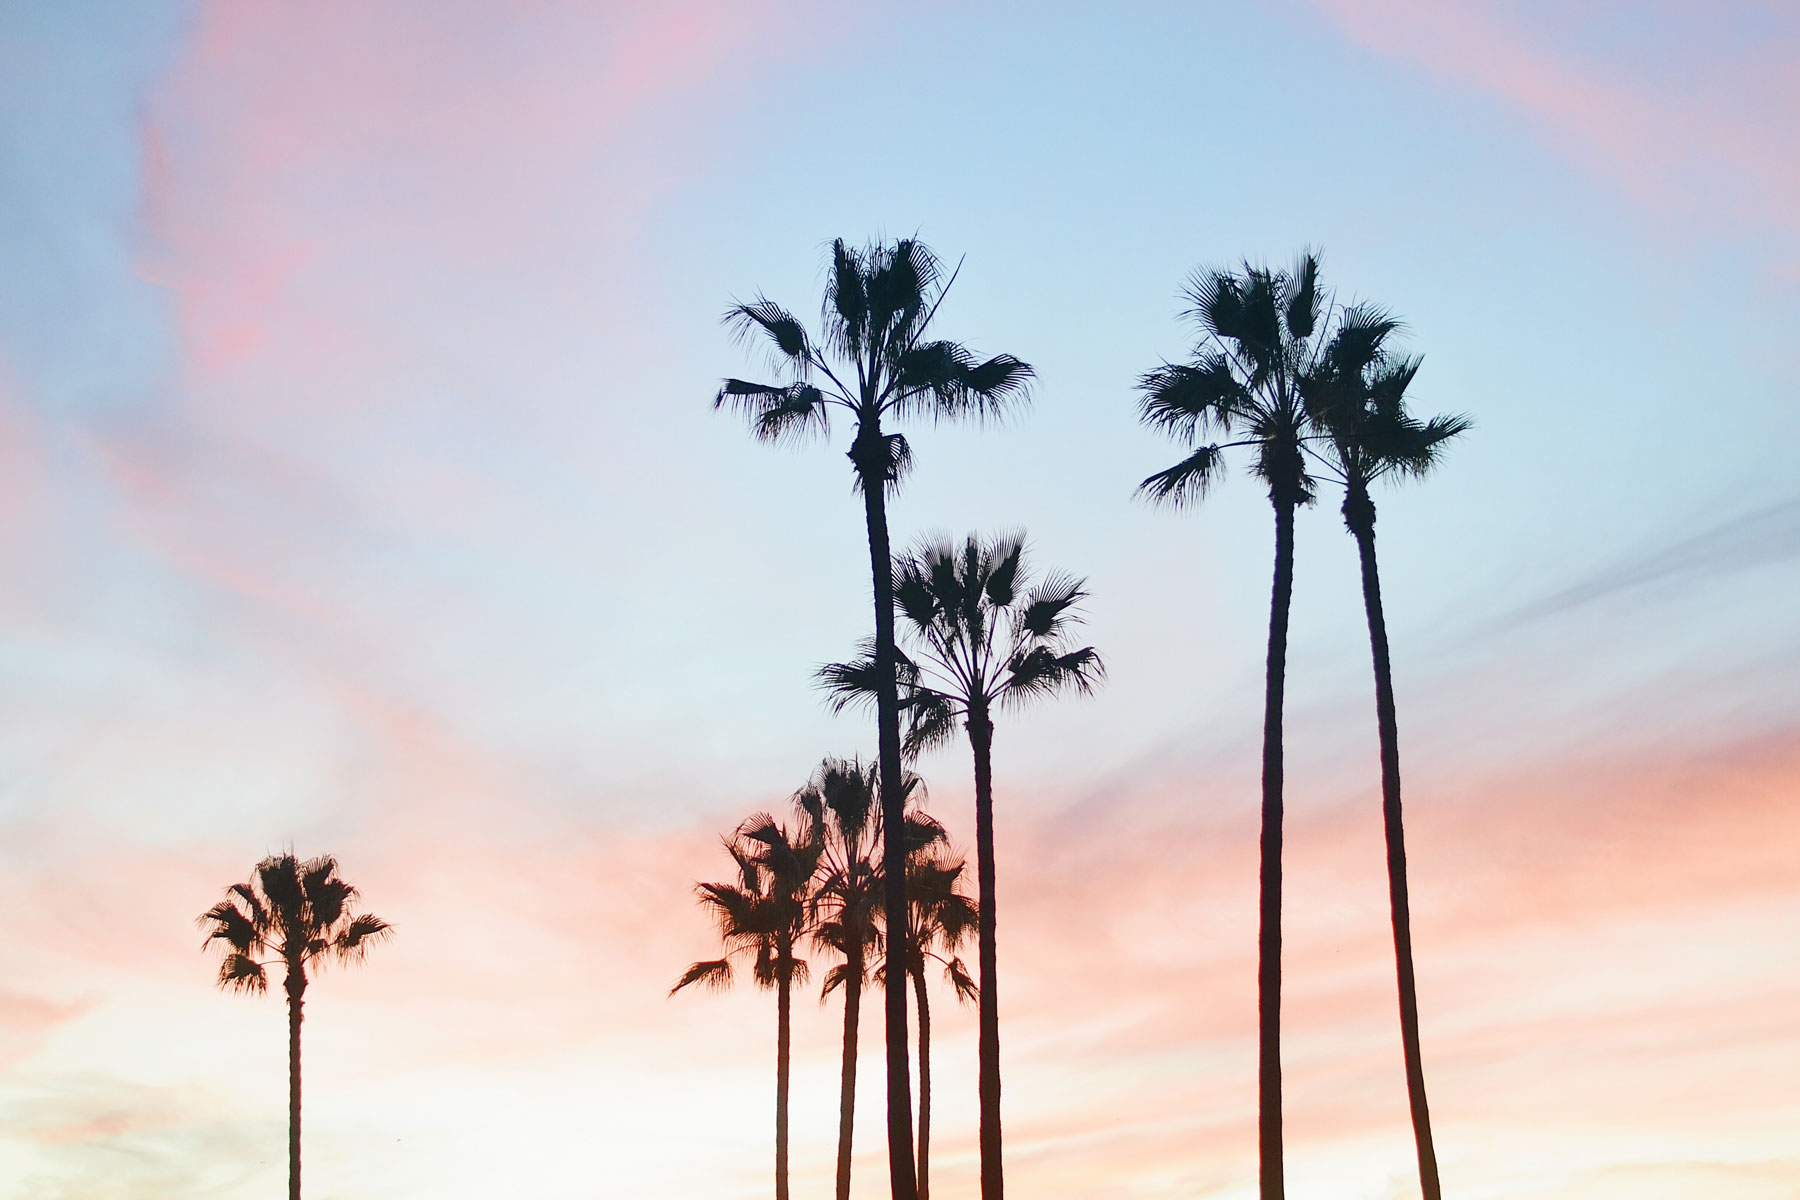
1261,331
297,914
940,917
841,797
876,361
760,917
981,638
1357,397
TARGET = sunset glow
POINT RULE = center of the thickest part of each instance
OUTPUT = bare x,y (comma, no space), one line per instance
360,493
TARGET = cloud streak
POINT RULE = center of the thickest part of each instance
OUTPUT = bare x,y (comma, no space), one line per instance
1765,537
1703,134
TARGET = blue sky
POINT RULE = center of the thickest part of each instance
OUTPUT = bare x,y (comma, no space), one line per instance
359,488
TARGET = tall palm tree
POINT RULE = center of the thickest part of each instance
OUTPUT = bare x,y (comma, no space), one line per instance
1261,331
981,639
841,797
760,917
1357,396
940,916
296,914
876,317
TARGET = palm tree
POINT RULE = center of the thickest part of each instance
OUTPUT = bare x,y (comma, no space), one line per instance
841,797
982,639
1357,396
940,915
1260,333
296,914
877,313
759,918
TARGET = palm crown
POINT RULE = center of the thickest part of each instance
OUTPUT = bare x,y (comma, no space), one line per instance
1260,332
760,914
878,308
940,915
846,903
983,635
1356,397
293,912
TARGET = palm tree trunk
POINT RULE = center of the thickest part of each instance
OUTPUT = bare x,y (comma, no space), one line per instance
296,990
869,453
847,1089
1268,974
981,739
783,1045
1361,518
924,1003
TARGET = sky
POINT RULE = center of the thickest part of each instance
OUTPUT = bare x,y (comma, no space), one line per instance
360,493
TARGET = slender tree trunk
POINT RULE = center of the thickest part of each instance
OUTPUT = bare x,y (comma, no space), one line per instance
981,738
869,453
296,991
1268,975
1359,514
924,1004
784,964
847,1088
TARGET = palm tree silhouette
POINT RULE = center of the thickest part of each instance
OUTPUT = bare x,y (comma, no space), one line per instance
296,914
759,918
1260,333
841,798
1357,396
940,916
878,308
982,639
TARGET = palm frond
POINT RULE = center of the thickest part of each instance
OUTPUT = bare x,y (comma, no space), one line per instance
1001,560
1216,301
839,976
1422,449
327,896
1188,481
1050,607
232,926
353,942
915,595
846,307
253,905
278,876
1042,672
241,973
853,684
712,975
922,832
942,380
899,280
777,413
1303,299
1360,339
1188,400
732,908
967,990
930,721
784,332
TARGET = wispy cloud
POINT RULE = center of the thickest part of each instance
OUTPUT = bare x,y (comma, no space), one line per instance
1696,127
1743,543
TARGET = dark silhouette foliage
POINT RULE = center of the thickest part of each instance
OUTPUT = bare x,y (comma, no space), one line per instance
877,358
298,915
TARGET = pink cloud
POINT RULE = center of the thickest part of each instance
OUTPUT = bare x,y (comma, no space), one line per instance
1715,140
1587,963
305,167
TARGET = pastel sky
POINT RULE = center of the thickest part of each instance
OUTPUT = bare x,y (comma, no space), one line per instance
359,492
